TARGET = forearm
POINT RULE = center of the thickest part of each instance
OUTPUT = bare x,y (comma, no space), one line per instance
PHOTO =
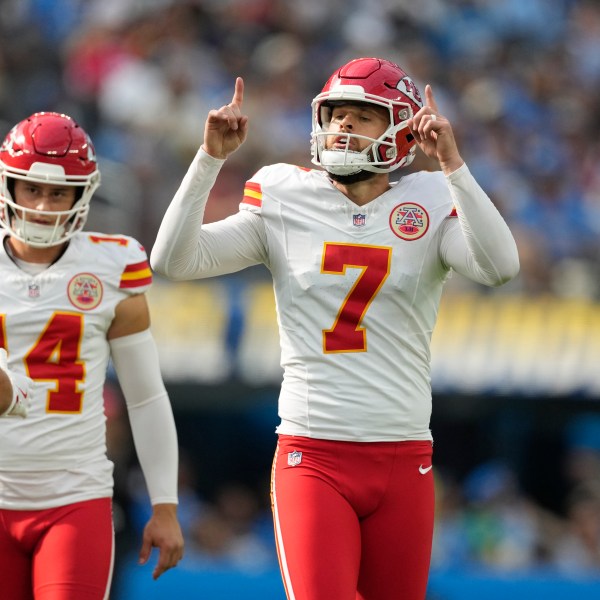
492,257
152,424
174,254
155,439
187,249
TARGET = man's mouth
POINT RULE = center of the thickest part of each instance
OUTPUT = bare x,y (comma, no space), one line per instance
343,143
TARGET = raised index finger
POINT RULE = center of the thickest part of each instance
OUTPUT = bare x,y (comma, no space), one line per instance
429,100
238,94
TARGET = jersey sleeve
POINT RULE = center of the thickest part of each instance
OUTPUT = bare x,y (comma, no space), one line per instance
478,244
124,258
270,177
187,248
253,196
136,277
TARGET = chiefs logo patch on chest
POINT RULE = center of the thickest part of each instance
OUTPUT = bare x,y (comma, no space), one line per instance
409,221
85,291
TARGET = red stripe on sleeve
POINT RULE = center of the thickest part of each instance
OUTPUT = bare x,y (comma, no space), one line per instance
136,267
133,283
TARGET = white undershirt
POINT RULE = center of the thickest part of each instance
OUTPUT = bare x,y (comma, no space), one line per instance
29,267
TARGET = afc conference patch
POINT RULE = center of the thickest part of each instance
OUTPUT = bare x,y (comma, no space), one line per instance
294,458
409,221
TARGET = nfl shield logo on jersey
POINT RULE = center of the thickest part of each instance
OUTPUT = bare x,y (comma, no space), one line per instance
359,220
294,458
34,290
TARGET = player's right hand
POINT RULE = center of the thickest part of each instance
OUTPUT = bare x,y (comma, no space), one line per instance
163,532
226,129
21,389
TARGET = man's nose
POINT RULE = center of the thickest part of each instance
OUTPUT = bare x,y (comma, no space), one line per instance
43,201
347,122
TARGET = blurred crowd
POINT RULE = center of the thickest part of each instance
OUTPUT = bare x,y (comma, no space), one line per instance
486,517
488,521
519,80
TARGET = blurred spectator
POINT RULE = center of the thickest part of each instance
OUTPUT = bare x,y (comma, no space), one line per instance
450,543
582,451
578,549
231,534
489,522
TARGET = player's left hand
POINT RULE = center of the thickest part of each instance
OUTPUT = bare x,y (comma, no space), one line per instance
16,388
163,532
433,133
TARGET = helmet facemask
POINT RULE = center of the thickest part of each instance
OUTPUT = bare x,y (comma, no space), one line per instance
380,156
62,225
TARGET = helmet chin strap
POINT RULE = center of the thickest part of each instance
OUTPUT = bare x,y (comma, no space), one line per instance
344,162
36,234
350,179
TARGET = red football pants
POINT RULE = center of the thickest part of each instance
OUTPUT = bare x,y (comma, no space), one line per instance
63,553
353,520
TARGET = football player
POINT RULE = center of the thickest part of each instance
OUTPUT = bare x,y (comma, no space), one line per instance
70,300
358,263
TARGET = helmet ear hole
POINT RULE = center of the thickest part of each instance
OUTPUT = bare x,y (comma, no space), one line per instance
10,184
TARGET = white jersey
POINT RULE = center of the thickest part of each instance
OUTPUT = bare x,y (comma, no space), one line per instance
357,288
357,291
54,327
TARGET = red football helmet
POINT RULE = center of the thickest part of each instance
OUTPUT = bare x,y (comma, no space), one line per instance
48,148
374,81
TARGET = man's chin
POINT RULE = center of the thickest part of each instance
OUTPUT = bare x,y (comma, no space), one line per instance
350,179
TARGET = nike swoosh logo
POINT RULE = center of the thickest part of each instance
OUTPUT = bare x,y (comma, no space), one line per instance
24,394
424,470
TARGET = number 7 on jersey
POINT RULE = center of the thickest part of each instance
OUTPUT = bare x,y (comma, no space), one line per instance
347,333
